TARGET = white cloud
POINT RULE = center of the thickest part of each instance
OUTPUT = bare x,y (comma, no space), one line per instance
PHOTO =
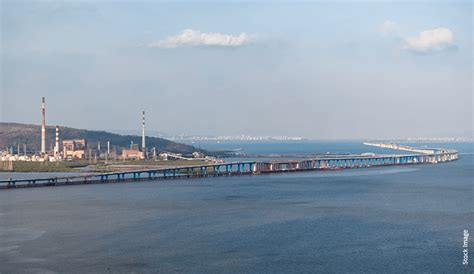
389,27
430,40
196,38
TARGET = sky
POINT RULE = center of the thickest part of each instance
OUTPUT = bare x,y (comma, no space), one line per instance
321,70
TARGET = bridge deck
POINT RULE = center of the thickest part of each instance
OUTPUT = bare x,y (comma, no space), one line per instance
330,162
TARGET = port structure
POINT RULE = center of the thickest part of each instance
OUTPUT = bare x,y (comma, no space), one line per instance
326,162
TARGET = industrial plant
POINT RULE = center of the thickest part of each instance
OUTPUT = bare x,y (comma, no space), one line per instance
81,149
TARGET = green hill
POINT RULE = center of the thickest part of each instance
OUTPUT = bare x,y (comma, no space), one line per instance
15,133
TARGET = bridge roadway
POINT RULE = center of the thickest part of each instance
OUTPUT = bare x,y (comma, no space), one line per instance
329,162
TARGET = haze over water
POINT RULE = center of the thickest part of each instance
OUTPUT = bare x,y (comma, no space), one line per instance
394,219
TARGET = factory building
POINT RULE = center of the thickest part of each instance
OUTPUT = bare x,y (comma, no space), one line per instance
74,148
134,154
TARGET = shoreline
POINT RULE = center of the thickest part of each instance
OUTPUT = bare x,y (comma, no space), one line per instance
87,167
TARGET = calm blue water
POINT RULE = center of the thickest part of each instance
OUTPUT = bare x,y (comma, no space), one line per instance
407,219
291,147
319,147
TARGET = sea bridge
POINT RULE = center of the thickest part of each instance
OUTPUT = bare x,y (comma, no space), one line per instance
324,162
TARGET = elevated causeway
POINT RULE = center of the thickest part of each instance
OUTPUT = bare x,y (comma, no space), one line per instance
420,156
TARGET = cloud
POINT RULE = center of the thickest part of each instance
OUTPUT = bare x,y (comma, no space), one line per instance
195,38
389,27
430,40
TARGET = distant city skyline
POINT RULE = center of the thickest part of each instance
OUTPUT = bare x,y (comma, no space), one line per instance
313,70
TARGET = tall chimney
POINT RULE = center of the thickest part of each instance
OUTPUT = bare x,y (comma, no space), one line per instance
56,147
43,127
143,134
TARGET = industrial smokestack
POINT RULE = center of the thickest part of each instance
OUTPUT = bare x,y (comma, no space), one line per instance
143,134
43,126
56,147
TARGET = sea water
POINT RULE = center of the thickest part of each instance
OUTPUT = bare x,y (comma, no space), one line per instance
403,219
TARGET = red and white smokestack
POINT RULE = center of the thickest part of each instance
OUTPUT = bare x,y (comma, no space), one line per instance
43,126
56,147
143,133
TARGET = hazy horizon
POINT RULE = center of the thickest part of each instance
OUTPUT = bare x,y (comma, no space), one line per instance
315,70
